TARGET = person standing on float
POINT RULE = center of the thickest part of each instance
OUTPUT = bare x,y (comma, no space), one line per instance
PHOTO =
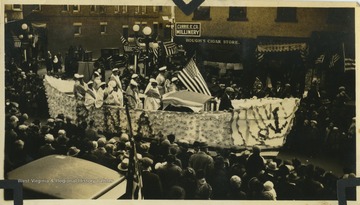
132,94
79,92
160,78
90,96
153,97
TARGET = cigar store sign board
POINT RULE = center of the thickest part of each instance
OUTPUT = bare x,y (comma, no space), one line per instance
186,29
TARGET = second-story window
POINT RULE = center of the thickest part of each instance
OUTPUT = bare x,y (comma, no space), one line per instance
37,8
137,9
124,9
202,13
102,9
237,14
143,9
76,8
286,14
65,8
77,29
93,8
17,7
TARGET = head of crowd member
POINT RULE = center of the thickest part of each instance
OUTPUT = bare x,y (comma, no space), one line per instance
229,91
175,80
313,123
256,150
153,83
14,121
135,77
235,182
176,192
49,138
102,85
162,70
203,146
115,71
90,84
133,84
146,163
96,74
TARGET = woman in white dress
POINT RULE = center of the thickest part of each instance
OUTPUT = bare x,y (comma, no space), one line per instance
153,97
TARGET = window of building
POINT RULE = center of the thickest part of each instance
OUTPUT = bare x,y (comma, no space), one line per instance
155,9
124,9
143,9
76,8
160,8
286,14
202,13
102,9
77,29
125,31
65,8
137,9
103,28
117,9
237,14
93,8
17,7
37,8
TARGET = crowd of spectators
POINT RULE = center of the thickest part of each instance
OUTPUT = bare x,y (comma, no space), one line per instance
174,169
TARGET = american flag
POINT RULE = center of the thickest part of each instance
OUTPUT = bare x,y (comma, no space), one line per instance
349,64
192,79
123,40
320,59
335,58
170,48
17,42
155,52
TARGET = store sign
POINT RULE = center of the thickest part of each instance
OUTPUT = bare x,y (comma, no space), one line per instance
213,41
188,29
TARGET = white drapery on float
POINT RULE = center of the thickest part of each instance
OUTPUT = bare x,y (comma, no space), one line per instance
254,121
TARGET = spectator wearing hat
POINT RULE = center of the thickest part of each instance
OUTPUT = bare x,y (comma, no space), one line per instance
235,192
160,78
188,181
91,132
47,149
153,97
270,172
201,160
132,95
100,95
219,180
288,189
225,101
90,96
73,152
152,187
203,189
70,127
60,143
115,77
255,163
269,190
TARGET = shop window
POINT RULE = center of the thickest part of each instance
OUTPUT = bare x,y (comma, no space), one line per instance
237,14
202,13
103,28
286,14
17,7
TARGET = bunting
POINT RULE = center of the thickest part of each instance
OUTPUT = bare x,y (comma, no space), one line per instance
170,48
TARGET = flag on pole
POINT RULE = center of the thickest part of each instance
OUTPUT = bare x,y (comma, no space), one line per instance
334,58
320,59
349,64
192,78
170,48
123,40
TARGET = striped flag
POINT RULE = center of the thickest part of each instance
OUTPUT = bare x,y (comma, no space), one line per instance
335,58
192,79
170,48
123,40
320,59
155,54
349,64
17,42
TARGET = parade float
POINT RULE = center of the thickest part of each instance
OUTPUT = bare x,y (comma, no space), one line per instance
265,122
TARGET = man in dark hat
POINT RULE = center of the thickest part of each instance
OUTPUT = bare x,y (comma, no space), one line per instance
255,163
201,160
152,188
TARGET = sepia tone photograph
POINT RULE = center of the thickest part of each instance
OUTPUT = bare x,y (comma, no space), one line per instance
145,102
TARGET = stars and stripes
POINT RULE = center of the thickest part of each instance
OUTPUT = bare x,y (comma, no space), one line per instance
192,78
170,48
334,58
349,64
17,42
123,40
320,59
